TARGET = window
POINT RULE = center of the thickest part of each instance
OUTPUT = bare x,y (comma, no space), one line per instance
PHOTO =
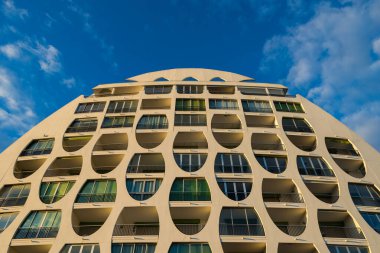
133,248
190,189
338,146
347,249
288,106
142,189
97,191
90,107
161,79
313,166
240,221
81,248
217,79
121,106
38,147
6,219
253,91
118,121
273,164
373,219
190,79
364,195
226,104
296,125
256,106
277,92
40,224
190,162
82,125
190,120
51,192
189,248
231,163
183,104
153,122
235,189
158,89
189,89
221,89
14,195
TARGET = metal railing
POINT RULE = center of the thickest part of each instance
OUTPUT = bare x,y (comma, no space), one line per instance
365,201
182,123
23,173
241,229
141,195
190,229
30,152
268,146
190,108
110,146
49,199
293,230
86,230
36,232
343,151
146,168
16,201
310,171
85,128
121,110
88,198
224,107
341,232
117,124
190,196
282,197
136,229
69,171
152,126
257,109
220,168
293,128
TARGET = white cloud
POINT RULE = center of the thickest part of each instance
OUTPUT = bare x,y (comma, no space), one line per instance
10,10
12,51
69,82
335,58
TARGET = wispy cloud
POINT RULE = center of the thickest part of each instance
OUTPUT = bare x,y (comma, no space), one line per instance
336,56
69,82
11,51
10,10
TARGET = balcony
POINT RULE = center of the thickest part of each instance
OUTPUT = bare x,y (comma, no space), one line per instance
29,248
223,104
225,121
25,168
65,166
84,224
158,89
118,91
348,248
228,140
103,164
51,192
327,192
122,106
280,191
97,191
296,247
338,224
257,91
221,89
189,89
263,142
190,220
338,146
112,142
153,122
305,143
354,168
137,221
146,163
72,144
83,125
297,125
235,189
290,220
190,140
14,195
150,140
282,106
260,121
6,219
36,232
244,247
155,104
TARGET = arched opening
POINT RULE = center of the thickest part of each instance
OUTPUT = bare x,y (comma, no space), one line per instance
190,220
190,140
105,163
74,143
25,168
112,142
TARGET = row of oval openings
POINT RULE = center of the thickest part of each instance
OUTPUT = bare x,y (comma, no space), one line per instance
219,122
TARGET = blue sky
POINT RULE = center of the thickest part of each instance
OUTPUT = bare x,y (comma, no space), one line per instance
53,51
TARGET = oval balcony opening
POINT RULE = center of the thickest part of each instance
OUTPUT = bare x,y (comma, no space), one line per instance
225,121
190,140
258,121
86,225
25,168
74,143
265,142
103,164
112,142
280,191
189,190
65,167
190,162
300,133
190,220
228,140
51,192
231,163
275,164
290,220
14,195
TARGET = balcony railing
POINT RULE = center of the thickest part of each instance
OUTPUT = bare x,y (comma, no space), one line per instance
190,108
366,201
241,229
292,230
223,125
49,199
190,229
36,232
86,230
225,107
136,229
293,128
190,196
23,173
258,109
282,197
184,123
89,198
258,124
152,126
309,171
343,151
221,168
69,171
341,232
141,195
111,146
78,129
267,146
31,152
146,168
121,110
17,201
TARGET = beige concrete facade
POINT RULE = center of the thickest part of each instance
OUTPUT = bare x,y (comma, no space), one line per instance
302,219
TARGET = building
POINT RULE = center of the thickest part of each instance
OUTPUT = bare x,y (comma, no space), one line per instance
190,161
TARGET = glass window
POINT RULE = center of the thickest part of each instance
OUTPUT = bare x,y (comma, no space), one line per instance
313,166
158,89
6,219
97,191
118,121
235,189
189,248
288,106
231,163
190,79
81,248
82,125
296,125
14,195
373,219
51,192
190,189
364,195
38,147
347,249
142,189
273,164
190,120
256,106
122,106
189,89
153,122
133,248
183,104
190,162
226,104
90,107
